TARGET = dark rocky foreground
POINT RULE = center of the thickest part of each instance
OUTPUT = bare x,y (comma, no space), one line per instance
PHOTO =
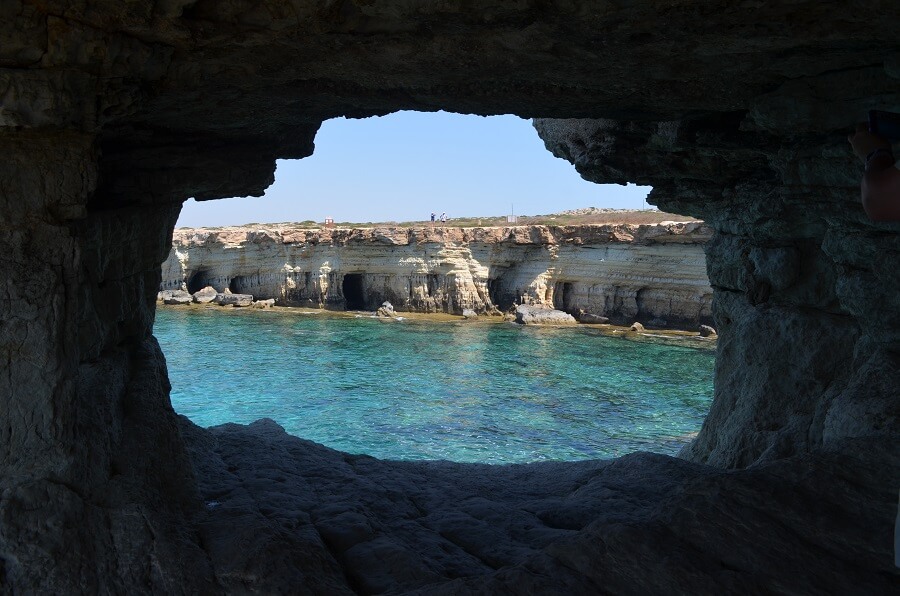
112,114
280,511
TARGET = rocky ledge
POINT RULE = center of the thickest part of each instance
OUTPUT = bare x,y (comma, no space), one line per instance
618,272
645,523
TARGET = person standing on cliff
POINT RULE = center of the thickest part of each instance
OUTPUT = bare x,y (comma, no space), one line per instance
880,185
443,218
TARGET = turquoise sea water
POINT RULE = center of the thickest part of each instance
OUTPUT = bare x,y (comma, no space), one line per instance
412,389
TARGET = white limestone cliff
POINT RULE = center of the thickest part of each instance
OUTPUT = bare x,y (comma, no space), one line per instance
624,272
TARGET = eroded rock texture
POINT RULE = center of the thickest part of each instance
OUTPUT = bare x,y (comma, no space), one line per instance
623,272
642,524
798,271
112,113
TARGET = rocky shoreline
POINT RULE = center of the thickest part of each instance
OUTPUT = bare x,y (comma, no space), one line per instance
675,336
595,273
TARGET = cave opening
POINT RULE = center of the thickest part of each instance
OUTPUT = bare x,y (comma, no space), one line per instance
432,284
198,281
499,295
237,285
353,291
562,296
400,187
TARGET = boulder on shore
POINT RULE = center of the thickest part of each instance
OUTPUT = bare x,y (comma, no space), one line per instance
386,310
541,315
269,303
591,318
707,331
234,299
637,327
206,295
175,297
469,313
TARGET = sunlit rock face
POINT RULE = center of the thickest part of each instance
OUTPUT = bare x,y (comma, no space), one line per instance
623,272
114,113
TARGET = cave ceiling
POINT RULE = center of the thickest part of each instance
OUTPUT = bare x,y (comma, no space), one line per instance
215,91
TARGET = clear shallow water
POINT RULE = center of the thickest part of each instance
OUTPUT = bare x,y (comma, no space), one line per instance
467,392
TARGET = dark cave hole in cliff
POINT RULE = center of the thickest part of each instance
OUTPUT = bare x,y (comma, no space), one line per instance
562,296
433,284
198,281
237,285
499,296
352,288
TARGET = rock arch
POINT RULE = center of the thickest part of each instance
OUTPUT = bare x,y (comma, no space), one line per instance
113,114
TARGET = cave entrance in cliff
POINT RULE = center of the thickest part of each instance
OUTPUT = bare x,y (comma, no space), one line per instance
198,281
499,295
237,285
563,293
352,289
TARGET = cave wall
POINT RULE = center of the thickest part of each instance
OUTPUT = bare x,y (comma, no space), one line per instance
112,114
804,302
85,389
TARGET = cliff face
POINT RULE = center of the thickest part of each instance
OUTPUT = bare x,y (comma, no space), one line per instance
624,272
113,113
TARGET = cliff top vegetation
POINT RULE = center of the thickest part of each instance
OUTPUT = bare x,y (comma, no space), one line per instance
588,215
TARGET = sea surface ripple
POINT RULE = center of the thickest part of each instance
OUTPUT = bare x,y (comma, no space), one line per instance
414,389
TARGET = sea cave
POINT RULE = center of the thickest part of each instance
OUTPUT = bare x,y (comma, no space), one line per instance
113,114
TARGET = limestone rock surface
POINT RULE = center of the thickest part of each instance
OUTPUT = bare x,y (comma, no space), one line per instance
621,272
205,296
542,315
591,318
177,297
230,299
386,310
792,263
339,523
269,303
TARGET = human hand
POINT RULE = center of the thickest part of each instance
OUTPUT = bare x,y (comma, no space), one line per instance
864,142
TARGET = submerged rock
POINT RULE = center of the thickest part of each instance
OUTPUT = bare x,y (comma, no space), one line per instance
541,315
234,299
206,295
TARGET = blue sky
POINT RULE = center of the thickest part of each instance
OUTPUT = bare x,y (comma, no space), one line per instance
403,166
